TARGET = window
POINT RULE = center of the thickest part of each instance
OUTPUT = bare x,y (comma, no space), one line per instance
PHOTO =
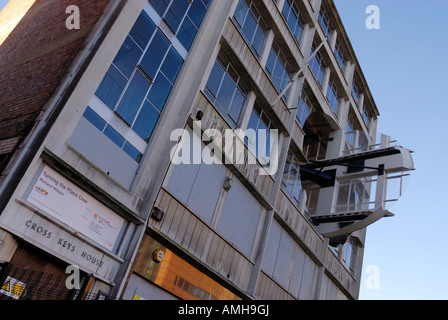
293,19
251,25
137,85
352,195
325,23
262,142
291,182
184,17
278,69
304,110
355,91
317,66
350,132
112,134
366,116
137,91
226,90
333,97
349,254
339,55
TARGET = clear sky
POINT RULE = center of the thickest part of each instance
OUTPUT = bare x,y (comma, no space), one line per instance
405,64
3,3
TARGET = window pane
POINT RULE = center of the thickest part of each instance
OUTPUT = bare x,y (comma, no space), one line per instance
160,6
236,107
160,91
176,13
94,119
154,56
133,98
225,94
186,33
132,152
146,121
197,12
142,30
111,87
215,79
113,135
241,12
172,64
127,57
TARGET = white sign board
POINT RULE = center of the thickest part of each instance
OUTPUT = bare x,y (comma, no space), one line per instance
60,198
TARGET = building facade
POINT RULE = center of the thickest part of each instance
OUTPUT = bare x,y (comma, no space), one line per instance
142,165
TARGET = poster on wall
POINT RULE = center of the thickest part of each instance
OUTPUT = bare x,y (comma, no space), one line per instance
63,200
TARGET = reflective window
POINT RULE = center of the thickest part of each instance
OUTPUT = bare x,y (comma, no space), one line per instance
304,110
333,97
293,19
133,97
112,134
325,23
111,87
355,91
350,132
262,142
226,90
251,25
317,66
291,182
278,69
184,17
339,55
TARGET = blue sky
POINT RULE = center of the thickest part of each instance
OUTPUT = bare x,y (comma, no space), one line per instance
3,3
405,66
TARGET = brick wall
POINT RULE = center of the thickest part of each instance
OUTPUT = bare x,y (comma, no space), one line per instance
36,51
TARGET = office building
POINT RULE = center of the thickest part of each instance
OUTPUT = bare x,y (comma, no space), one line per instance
187,149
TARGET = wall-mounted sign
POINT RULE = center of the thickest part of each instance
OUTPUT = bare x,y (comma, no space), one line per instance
63,200
13,288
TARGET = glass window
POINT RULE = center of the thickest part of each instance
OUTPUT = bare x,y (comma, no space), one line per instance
251,25
317,66
226,90
325,23
304,110
113,135
159,92
111,87
355,91
293,19
142,30
262,143
155,54
127,57
333,97
132,152
160,6
176,13
350,132
184,17
291,182
133,98
278,69
94,119
138,91
339,55
366,116
146,121
172,64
